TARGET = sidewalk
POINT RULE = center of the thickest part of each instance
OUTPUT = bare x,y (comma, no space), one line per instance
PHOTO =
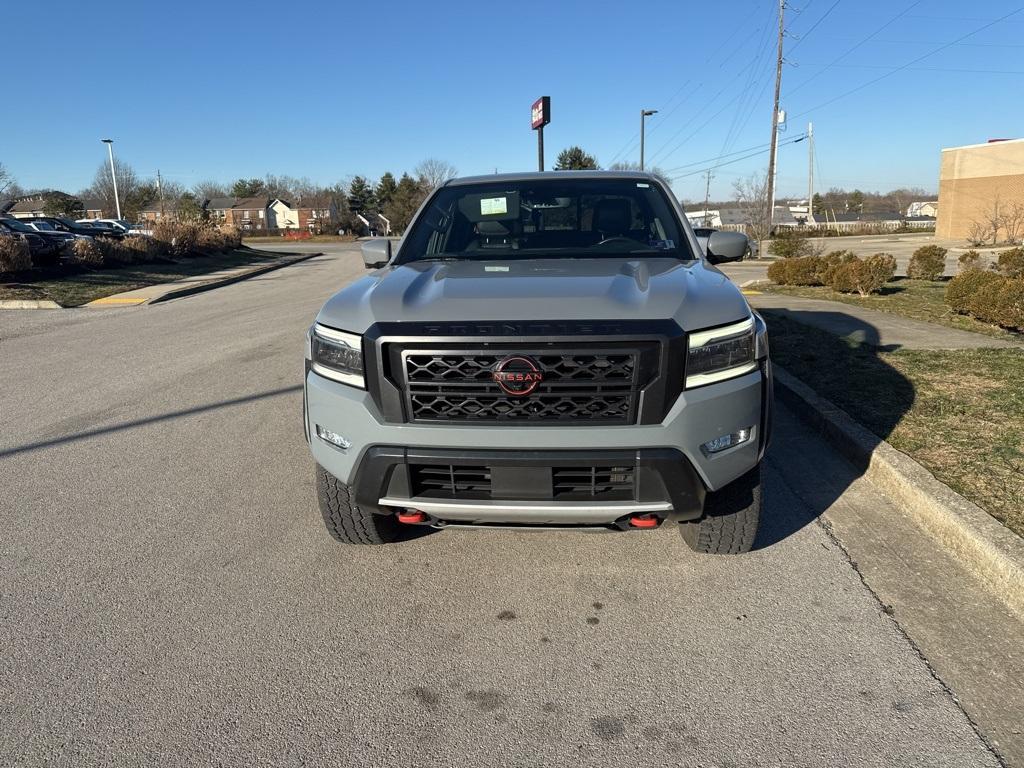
195,284
879,329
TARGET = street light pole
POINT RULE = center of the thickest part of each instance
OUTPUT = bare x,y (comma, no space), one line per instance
644,114
113,176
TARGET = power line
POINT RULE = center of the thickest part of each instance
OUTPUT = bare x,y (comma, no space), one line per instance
863,41
795,140
814,26
911,63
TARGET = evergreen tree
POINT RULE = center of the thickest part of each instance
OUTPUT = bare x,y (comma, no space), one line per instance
409,194
575,159
248,188
385,190
360,196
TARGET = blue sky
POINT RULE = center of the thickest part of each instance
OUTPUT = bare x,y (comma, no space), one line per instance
332,89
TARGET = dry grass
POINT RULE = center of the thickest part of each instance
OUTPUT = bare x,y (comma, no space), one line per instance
960,413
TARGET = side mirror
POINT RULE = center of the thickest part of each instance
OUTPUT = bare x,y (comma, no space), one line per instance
376,252
727,246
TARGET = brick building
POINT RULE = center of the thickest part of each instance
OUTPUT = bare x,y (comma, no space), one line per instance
978,183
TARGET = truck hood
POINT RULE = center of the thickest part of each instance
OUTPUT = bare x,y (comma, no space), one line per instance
694,294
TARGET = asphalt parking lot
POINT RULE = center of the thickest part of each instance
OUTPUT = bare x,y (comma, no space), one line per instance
168,595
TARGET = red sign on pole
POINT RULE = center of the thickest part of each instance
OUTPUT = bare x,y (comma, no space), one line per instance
540,112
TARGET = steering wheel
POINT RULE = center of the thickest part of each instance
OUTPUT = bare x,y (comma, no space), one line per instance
618,238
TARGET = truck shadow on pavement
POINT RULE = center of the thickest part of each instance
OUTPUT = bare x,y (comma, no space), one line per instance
849,372
124,425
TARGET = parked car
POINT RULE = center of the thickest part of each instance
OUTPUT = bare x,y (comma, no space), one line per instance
76,228
543,349
61,239
37,225
703,233
45,252
119,225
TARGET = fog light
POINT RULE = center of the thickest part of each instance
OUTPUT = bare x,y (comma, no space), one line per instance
726,441
333,438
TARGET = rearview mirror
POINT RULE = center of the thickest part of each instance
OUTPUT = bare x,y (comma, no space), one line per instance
727,246
376,252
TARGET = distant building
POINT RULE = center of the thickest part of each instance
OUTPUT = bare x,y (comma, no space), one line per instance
249,213
915,210
27,208
973,181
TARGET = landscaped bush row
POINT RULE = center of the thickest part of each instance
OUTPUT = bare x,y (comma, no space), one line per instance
841,270
989,297
170,238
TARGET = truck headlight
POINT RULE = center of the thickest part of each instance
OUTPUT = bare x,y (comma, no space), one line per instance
337,355
721,353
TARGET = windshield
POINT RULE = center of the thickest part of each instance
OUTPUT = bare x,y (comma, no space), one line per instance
548,218
17,225
43,226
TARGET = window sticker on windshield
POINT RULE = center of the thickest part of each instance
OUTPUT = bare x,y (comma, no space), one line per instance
495,268
665,245
641,185
489,206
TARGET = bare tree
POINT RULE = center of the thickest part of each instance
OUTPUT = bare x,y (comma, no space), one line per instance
128,188
208,189
993,219
1013,221
751,196
435,172
977,233
6,179
634,166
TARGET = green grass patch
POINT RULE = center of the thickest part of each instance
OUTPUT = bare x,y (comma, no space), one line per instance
916,299
81,287
960,413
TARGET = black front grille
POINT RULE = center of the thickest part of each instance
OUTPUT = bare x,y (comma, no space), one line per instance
448,481
604,483
597,386
579,483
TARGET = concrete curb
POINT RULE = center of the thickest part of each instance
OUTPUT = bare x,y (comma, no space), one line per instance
210,285
993,551
29,304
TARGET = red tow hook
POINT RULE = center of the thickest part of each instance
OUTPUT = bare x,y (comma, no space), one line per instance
644,521
412,516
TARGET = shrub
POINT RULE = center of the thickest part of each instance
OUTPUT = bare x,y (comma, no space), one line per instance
87,253
116,253
180,237
969,260
795,271
790,246
218,238
830,262
863,276
927,263
989,297
14,254
1011,262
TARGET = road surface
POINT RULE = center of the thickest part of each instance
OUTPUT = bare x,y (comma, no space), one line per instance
168,595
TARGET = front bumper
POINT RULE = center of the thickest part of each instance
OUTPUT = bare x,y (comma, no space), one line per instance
697,416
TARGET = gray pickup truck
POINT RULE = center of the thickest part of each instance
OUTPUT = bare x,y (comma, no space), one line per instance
542,350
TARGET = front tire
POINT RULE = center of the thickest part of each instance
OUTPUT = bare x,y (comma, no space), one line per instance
345,521
731,517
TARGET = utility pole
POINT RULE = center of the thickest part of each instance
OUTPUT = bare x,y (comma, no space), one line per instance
160,191
775,119
707,195
644,114
810,172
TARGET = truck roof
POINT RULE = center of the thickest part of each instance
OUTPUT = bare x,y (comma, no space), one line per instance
551,175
